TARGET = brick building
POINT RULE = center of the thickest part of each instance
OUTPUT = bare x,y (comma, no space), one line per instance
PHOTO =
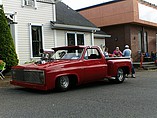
131,22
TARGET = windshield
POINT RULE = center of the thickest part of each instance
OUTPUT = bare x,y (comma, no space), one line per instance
68,54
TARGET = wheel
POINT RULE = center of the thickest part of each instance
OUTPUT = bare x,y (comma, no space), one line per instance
120,76
62,83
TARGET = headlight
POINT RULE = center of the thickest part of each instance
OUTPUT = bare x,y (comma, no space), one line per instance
13,74
42,76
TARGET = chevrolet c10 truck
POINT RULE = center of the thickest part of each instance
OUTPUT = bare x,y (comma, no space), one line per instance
62,67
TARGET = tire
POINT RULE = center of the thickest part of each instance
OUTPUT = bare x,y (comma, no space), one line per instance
62,83
120,77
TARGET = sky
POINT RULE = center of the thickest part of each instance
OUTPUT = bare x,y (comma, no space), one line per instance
78,4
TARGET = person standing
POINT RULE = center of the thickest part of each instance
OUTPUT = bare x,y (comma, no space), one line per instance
117,52
106,54
127,53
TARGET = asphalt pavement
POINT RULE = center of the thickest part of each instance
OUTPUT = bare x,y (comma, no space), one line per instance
135,98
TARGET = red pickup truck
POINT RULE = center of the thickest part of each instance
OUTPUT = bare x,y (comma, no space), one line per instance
67,66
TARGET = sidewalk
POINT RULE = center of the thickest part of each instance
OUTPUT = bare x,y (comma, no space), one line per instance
5,82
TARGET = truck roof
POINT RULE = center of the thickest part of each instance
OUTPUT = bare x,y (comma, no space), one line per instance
69,47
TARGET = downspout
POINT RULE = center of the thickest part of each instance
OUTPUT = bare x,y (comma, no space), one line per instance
54,20
15,32
92,38
156,44
55,38
54,12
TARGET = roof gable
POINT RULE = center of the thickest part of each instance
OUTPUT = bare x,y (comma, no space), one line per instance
67,16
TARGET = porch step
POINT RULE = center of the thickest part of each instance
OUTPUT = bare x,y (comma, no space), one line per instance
146,65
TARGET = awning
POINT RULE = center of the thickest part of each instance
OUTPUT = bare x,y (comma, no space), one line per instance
101,35
73,27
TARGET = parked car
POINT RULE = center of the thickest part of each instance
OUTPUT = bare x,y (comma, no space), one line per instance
67,66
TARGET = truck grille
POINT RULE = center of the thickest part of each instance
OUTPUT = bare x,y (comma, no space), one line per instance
30,76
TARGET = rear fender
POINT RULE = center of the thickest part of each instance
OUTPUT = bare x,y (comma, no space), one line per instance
113,67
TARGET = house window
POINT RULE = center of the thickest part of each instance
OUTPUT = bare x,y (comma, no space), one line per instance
92,53
31,3
75,39
71,39
36,40
80,39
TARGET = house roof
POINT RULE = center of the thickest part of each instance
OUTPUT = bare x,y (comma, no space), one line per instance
67,16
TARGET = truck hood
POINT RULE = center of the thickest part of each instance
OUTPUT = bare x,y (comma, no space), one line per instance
55,63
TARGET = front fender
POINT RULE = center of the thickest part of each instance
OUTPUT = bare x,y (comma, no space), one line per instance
51,80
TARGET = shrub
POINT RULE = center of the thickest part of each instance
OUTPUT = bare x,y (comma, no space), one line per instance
7,48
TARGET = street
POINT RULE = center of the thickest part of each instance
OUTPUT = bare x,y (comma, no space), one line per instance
135,98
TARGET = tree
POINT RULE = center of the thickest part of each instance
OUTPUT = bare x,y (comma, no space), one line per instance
7,48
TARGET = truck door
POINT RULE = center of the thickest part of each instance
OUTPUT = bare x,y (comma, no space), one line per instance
94,65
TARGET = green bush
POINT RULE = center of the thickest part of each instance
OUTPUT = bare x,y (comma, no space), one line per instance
7,48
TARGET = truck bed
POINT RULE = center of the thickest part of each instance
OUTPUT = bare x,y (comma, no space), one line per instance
113,58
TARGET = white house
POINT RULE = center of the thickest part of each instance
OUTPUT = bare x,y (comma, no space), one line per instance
37,24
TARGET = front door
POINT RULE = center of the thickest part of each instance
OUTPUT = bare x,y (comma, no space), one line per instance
94,66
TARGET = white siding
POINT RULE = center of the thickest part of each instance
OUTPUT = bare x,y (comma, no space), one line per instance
61,38
41,16
99,42
25,15
88,39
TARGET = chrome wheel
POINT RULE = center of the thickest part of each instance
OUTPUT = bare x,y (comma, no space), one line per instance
63,83
120,76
